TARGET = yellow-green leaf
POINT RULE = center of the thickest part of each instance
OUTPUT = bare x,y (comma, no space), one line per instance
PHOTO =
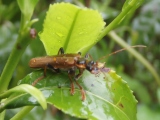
71,27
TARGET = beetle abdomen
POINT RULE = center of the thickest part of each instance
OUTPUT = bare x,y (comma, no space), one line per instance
55,61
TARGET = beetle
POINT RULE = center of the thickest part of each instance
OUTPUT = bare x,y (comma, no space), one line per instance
70,63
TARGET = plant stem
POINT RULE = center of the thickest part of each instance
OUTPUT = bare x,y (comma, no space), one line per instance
22,113
2,115
132,6
138,56
13,60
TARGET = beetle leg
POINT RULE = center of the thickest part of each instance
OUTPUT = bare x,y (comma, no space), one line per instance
71,73
44,73
61,51
72,85
37,80
79,74
52,68
40,78
82,91
80,87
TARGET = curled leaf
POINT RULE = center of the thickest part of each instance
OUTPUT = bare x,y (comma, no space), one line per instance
23,88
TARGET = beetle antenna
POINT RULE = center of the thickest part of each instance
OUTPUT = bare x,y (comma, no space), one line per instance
120,51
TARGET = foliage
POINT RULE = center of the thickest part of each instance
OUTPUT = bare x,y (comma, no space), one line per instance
139,28
69,26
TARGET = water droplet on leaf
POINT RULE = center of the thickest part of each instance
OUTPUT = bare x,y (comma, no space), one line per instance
59,34
80,33
58,18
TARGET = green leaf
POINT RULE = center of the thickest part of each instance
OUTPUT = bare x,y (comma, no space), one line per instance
73,28
23,88
106,98
27,7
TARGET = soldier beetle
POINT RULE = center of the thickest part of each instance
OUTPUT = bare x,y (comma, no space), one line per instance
70,63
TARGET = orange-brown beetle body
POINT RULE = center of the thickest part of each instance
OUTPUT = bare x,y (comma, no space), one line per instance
71,63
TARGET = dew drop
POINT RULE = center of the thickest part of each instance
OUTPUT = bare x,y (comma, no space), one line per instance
80,33
58,18
59,34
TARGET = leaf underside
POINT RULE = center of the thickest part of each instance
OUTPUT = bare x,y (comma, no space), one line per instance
106,98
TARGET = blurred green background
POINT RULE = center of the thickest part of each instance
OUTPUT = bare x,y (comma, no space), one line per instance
141,27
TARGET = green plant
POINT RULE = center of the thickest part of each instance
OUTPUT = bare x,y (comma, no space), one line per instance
119,108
